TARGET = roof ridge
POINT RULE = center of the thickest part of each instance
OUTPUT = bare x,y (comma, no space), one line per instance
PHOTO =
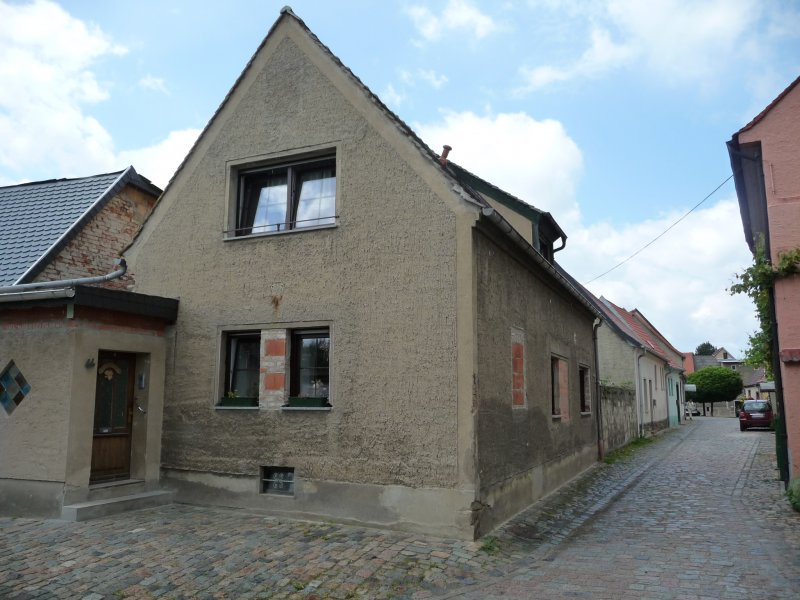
61,179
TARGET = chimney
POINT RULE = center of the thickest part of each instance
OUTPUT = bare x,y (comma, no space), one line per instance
443,157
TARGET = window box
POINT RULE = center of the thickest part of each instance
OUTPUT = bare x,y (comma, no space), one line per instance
236,402
307,402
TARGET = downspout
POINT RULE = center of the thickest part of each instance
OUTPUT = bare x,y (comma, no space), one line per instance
639,404
600,445
65,283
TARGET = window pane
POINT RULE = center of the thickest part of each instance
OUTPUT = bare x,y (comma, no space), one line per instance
312,373
263,202
243,366
316,198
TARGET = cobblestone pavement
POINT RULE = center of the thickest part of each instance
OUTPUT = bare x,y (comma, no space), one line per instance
697,514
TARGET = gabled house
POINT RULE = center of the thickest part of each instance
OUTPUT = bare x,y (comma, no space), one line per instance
367,332
82,358
764,157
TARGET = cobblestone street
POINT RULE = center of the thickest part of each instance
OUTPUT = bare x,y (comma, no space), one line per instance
698,514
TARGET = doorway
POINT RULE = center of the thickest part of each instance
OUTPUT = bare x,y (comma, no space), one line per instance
113,417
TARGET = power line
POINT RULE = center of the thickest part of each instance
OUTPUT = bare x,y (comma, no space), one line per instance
691,210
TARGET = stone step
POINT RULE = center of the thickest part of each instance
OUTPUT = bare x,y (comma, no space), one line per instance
93,509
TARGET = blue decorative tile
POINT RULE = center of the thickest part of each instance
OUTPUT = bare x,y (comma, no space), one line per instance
13,387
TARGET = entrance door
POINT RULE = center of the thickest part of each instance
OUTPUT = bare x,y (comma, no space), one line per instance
113,413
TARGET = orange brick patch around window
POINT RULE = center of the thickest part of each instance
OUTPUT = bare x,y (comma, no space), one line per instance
274,381
276,348
518,374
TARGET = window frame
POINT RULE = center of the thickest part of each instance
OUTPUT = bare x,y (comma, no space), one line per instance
294,335
239,169
559,398
584,389
225,400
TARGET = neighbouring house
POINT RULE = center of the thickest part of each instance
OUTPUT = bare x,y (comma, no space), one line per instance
651,365
688,363
76,346
765,158
367,332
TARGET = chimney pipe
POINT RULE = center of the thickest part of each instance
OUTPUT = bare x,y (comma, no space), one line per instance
443,157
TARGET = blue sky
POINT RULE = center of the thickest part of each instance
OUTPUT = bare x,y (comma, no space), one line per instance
611,114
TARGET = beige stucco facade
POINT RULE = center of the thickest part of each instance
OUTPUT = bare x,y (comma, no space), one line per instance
400,282
47,440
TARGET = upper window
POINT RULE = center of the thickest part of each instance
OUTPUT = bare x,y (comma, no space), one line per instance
559,387
241,369
286,197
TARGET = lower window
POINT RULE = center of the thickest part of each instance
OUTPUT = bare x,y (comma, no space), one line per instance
585,393
242,363
277,480
310,365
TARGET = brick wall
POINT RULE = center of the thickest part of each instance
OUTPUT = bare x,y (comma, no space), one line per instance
95,248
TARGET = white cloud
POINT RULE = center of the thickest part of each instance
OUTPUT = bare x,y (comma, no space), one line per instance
45,55
602,55
156,84
436,80
159,161
457,15
680,281
392,97
679,41
534,160
46,85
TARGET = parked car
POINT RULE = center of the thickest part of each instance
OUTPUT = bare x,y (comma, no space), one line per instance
755,413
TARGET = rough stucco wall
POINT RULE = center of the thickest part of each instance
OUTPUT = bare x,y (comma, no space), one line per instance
779,134
384,279
95,248
33,439
616,358
514,297
619,416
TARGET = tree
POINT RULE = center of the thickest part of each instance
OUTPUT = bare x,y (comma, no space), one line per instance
705,349
716,384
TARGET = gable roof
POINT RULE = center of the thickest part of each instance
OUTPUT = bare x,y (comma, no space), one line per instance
640,331
760,116
39,218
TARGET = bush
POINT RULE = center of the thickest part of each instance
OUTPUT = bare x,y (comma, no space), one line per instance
793,493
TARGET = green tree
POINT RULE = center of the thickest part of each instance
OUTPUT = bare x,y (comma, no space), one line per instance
756,281
716,384
705,349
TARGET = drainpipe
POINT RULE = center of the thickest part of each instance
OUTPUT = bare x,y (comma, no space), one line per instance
65,283
639,404
600,442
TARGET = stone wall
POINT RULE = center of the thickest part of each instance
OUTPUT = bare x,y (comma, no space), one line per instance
619,416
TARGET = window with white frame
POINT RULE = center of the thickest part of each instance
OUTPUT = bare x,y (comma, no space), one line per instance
293,195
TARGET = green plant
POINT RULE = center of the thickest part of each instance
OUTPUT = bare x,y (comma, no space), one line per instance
705,349
298,585
756,281
793,493
627,450
716,384
490,545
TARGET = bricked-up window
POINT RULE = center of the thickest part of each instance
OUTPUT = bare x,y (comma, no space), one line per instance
517,369
559,386
289,196
310,366
585,389
242,363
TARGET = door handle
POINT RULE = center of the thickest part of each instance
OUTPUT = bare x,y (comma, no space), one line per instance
140,409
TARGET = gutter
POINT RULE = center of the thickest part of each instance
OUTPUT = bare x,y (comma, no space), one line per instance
64,283
37,295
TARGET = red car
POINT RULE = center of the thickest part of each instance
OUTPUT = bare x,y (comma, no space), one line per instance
755,413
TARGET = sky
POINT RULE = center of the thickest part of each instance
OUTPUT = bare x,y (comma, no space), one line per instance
610,114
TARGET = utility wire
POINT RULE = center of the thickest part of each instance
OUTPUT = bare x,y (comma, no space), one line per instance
691,210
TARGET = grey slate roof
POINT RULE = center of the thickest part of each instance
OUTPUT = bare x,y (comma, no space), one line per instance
40,217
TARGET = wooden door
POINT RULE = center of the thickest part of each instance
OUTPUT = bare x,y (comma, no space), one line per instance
113,414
